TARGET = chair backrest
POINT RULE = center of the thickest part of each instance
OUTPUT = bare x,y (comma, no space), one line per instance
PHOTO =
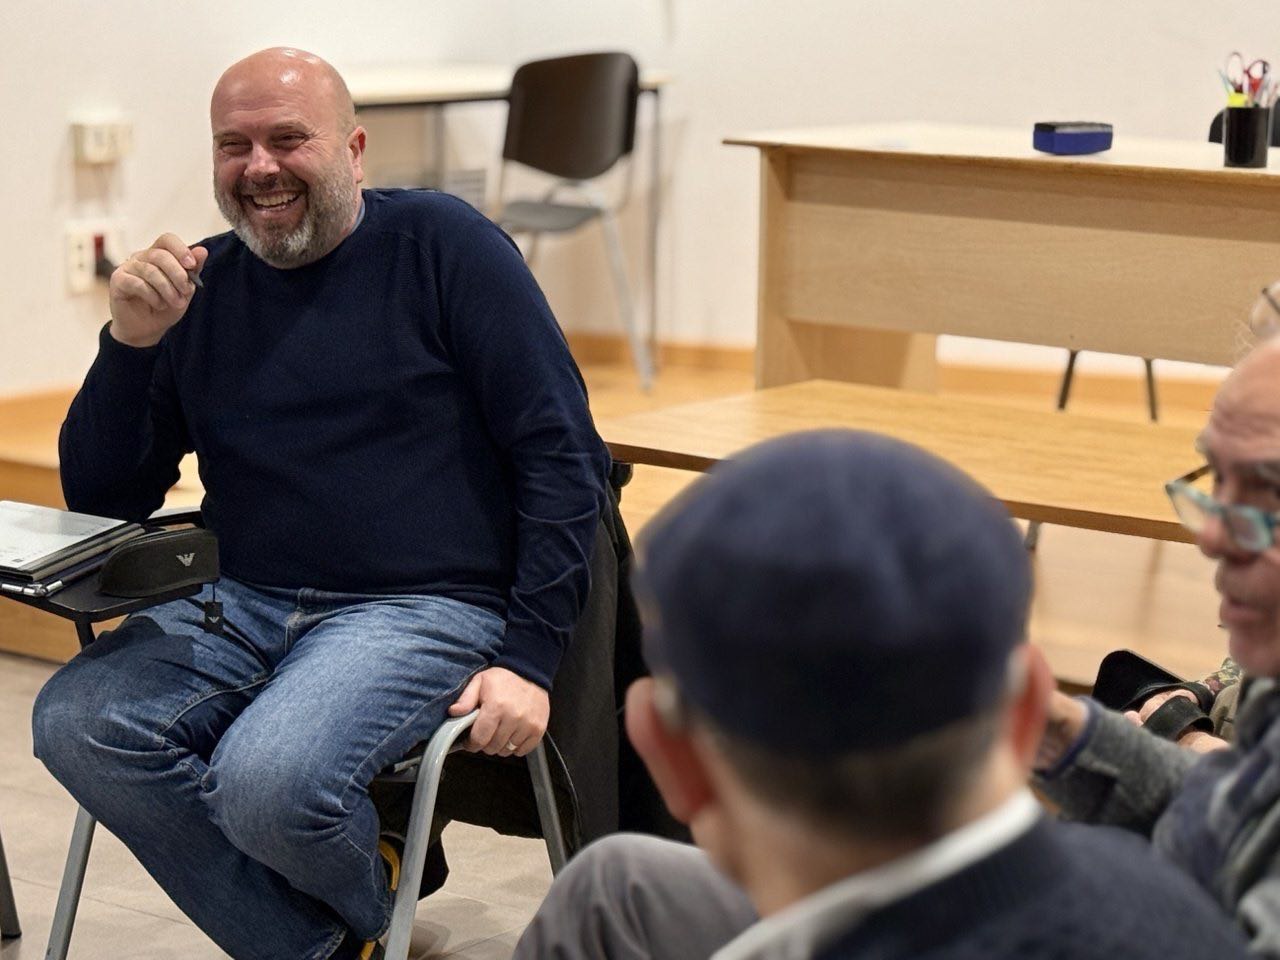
573,117
1215,125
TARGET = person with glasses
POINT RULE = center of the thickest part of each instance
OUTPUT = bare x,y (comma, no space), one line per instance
1216,815
844,710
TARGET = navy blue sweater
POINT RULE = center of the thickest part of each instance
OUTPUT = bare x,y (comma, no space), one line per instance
401,416
1059,892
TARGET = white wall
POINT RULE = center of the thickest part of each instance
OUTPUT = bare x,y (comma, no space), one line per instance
1145,65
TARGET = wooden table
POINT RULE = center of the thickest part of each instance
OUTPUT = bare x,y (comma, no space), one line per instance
1058,468
436,85
874,239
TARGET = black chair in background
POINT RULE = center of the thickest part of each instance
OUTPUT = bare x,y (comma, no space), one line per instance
575,118
1215,126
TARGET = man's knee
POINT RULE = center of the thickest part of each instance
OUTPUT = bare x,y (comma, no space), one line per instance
634,868
77,729
270,803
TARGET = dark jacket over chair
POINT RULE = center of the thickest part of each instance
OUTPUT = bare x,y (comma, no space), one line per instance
601,784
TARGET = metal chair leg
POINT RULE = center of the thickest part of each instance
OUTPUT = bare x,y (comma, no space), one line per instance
1064,388
1064,394
9,926
418,835
544,795
1152,409
639,348
64,915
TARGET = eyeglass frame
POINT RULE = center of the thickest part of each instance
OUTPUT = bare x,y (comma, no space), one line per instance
1259,520
1273,324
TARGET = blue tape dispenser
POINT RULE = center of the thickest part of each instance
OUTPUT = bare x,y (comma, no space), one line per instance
1072,138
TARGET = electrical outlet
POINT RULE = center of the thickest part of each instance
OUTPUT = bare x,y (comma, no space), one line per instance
83,240
79,261
101,141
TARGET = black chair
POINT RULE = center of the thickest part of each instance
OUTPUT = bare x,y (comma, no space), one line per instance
1215,126
575,118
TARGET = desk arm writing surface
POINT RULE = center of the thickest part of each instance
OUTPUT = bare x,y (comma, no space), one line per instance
84,604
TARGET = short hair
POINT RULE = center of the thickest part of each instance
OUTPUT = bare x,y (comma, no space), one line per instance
903,792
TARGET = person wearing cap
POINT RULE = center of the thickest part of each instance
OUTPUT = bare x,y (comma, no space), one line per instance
844,711
1216,815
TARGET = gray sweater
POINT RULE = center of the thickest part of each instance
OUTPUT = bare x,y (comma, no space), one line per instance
1215,815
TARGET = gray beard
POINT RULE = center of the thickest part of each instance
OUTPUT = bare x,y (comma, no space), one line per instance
331,202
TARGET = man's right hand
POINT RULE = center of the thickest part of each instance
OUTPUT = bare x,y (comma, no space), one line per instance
151,290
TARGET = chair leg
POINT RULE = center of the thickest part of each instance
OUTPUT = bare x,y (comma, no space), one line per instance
9,926
1064,394
548,814
418,835
639,349
1152,409
64,915
531,250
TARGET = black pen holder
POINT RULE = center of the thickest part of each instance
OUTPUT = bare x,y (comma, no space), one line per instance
1246,132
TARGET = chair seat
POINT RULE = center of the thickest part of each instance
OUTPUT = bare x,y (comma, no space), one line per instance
532,216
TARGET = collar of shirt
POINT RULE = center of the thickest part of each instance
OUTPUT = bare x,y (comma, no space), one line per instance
804,927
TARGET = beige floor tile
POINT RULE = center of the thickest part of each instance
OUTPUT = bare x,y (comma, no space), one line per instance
448,925
36,832
497,948
509,871
104,931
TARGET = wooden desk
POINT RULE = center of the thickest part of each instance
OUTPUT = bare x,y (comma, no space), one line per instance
1054,467
875,239
438,85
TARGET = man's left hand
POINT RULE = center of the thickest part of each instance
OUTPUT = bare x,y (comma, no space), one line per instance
513,713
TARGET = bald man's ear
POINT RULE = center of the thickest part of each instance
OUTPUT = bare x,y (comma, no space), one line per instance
355,143
674,764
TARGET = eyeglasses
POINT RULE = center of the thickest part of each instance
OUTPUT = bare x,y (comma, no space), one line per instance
1267,327
1249,528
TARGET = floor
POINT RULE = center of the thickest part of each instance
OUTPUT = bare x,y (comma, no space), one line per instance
1092,590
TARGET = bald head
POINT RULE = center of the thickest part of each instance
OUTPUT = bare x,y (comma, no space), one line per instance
1246,411
287,155
287,73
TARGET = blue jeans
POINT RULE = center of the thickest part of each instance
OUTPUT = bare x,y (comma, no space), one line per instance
237,771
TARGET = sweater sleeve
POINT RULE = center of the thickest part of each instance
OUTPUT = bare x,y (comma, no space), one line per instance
510,350
1119,774
123,438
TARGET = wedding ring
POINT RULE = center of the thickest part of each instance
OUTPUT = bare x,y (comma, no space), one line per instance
511,747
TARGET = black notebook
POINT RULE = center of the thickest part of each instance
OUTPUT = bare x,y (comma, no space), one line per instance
39,543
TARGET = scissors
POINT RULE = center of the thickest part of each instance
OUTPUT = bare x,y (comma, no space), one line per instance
1246,79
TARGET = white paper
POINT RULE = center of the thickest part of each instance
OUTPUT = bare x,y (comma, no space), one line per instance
29,532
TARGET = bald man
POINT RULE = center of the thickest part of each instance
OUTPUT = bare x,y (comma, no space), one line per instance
405,482
1217,814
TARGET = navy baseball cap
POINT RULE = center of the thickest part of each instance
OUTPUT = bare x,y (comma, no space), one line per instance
834,591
